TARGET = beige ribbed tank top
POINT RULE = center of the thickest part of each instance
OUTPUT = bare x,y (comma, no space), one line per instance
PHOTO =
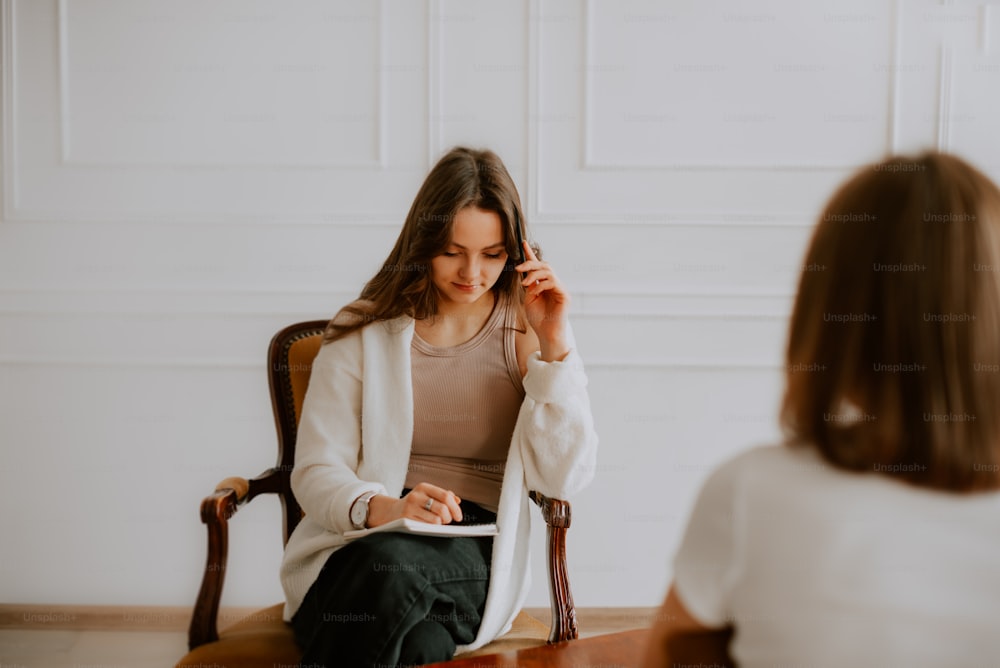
465,402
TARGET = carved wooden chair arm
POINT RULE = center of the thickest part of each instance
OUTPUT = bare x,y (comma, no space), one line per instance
216,509
557,516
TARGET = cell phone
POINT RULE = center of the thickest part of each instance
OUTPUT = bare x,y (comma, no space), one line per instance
522,258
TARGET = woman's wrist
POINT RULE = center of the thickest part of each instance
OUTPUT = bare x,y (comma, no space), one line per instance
553,351
380,509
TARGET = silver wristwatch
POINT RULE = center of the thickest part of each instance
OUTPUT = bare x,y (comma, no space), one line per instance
359,510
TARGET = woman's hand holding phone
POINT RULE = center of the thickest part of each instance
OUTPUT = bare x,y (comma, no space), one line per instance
546,304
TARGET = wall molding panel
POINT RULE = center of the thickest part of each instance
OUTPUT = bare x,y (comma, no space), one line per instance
142,135
8,184
738,19
375,115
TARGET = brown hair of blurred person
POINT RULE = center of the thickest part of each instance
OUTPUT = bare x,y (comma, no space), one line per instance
893,357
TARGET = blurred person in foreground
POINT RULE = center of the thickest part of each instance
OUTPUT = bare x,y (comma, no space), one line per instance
872,536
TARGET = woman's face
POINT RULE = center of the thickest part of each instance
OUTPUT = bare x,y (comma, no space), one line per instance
473,260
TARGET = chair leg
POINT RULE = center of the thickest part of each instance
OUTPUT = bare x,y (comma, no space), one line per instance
558,516
564,625
215,512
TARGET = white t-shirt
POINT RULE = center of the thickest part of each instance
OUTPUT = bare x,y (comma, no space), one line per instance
818,567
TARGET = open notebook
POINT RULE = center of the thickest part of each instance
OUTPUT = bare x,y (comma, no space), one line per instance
404,525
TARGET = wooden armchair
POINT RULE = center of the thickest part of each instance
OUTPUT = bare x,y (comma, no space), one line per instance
263,638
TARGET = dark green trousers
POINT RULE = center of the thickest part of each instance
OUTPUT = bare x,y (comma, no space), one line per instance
393,599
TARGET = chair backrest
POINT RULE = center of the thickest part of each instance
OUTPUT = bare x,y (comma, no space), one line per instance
289,363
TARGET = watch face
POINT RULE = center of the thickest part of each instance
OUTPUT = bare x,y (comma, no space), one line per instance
359,513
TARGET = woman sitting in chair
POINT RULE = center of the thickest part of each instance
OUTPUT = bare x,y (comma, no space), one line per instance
873,537
449,389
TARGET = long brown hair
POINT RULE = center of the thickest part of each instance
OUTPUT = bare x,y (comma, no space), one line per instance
463,177
893,359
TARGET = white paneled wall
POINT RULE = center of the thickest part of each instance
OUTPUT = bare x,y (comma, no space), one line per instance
182,178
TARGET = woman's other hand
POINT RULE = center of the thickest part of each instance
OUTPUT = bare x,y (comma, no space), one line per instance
425,503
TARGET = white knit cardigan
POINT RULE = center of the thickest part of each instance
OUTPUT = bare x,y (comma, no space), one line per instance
355,433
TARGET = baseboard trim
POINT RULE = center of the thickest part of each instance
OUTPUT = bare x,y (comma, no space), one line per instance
107,617
177,618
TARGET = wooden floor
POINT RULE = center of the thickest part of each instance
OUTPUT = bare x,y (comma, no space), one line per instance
110,637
